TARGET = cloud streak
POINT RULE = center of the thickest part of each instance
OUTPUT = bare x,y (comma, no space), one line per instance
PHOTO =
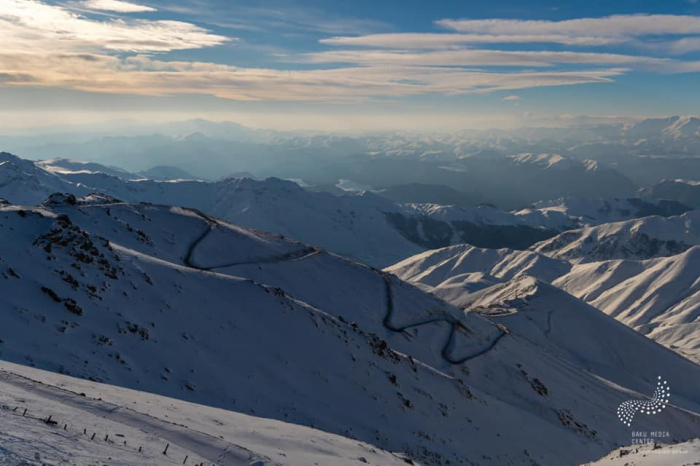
609,26
438,40
117,6
33,25
479,58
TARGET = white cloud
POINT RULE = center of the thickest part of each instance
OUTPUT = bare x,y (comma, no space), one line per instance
116,5
144,75
481,58
680,46
437,40
511,97
609,26
33,25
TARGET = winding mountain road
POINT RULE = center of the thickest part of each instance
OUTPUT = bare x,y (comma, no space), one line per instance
455,325
213,223
309,251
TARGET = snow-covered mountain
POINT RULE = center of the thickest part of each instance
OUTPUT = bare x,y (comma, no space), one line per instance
454,272
642,238
572,213
362,225
24,181
660,297
104,424
71,167
675,127
685,191
174,302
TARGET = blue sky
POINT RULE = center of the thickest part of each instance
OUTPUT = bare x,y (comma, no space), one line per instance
332,65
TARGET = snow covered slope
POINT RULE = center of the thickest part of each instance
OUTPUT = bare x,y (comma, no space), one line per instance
685,191
22,181
653,454
66,167
659,298
134,428
363,225
571,213
643,238
170,301
454,272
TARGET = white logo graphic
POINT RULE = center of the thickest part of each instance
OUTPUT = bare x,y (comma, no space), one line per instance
629,408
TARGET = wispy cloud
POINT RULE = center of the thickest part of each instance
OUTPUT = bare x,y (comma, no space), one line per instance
649,31
609,26
275,17
511,97
144,75
31,26
438,40
117,6
478,58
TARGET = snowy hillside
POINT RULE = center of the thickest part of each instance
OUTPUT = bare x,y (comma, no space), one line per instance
67,167
170,301
643,238
99,424
24,182
653,454
361,225
685,191
571,213
454,272
659,298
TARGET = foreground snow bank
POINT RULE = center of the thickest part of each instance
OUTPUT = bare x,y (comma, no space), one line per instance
76,422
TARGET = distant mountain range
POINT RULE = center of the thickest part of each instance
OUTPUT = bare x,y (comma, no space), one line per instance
510,169
687,192
363,225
